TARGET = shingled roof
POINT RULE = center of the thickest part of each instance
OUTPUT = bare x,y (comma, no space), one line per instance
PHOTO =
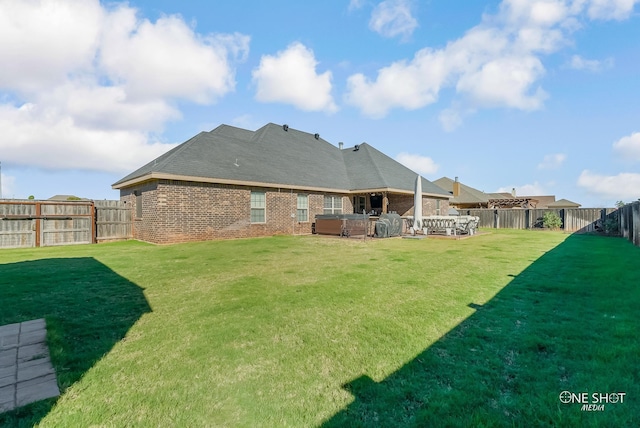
279,157
372,170
564,203
468,195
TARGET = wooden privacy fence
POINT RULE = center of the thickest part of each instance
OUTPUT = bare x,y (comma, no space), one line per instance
574,220
113,221
629,222
49,223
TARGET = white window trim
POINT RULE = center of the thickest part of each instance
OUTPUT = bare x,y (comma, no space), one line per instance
264,208
306,208
334,209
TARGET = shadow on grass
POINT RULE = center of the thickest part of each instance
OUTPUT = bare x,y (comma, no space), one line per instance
568,322
88,308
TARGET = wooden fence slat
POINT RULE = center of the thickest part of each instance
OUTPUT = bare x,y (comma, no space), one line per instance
113,221
43,223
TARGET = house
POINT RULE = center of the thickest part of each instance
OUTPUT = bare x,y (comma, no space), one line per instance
236,183
466,197
563,203
540,201
67,198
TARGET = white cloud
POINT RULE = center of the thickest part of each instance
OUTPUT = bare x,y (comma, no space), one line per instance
392,18
418,163
84,86
628,147
405,85
290,77
49,139
46,40
593,65
8,186
496,64
553,161
611,9
167,58
450,119
355,4
505,82
534,189
622,187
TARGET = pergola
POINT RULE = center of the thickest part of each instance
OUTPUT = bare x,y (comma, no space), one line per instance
513,203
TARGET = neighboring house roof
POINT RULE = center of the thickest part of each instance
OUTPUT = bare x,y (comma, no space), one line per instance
502,195
541,201
67,198
468,195
564,203
273,156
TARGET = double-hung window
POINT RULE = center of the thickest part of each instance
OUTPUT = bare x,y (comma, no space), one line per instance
303,208
258,207
333,204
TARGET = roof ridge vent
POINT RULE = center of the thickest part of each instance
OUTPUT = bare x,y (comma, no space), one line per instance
285,127
316,136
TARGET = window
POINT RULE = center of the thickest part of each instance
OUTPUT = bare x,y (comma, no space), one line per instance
138,195
359,204
333,204
258,207
303,208
437,206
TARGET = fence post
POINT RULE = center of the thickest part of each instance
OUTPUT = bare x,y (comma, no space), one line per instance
496,220
38,221
94,226
636,223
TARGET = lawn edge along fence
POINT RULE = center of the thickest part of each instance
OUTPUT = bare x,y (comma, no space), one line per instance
29,223
624,221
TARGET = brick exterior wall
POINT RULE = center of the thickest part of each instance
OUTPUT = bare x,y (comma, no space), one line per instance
181,211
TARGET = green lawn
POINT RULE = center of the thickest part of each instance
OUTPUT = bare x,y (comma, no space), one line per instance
312,331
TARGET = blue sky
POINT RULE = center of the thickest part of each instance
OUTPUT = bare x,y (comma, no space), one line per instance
538,95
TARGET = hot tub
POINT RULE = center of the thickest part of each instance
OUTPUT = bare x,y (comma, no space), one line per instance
342,224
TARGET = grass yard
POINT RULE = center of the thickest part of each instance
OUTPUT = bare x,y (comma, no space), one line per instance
309,331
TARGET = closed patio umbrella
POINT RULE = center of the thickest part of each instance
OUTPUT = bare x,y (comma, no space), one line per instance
417,205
